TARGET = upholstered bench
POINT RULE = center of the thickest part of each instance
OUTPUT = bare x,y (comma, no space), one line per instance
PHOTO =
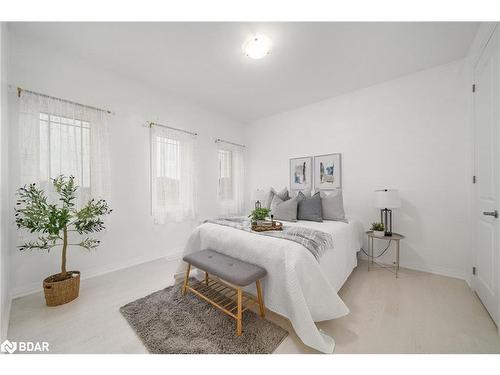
225,292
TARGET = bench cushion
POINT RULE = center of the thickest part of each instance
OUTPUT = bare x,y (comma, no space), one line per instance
230,269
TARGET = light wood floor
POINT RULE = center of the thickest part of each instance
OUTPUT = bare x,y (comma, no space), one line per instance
417,313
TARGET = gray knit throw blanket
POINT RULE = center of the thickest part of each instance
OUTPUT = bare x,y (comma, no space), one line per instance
317,242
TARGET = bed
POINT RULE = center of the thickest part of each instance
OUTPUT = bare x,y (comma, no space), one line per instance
298,286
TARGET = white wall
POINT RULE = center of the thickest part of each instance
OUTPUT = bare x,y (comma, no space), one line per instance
4,187
412,134
131,236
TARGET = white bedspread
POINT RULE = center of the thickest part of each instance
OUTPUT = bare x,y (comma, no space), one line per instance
296,285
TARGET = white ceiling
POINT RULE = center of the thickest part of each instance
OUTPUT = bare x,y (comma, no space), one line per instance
309,61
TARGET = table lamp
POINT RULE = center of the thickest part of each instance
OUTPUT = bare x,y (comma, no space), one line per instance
386,200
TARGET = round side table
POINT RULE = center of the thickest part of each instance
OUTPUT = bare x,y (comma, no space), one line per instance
396,237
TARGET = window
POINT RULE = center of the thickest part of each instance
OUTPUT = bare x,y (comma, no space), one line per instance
225,175
230,189
61,137
168,161
172,175
64,148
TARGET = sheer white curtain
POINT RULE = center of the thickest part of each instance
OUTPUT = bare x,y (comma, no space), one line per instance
57,137
173,175
231,176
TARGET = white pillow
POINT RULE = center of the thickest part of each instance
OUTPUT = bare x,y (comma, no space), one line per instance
283,195
284,209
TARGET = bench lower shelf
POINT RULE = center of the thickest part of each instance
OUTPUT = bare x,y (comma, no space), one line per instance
231,300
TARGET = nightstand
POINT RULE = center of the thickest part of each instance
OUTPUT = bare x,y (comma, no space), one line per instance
395,237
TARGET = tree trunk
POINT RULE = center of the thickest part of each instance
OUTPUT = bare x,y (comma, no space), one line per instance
65,246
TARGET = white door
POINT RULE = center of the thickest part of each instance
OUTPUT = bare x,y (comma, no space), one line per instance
486,118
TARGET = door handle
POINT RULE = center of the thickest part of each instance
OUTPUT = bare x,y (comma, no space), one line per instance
492,213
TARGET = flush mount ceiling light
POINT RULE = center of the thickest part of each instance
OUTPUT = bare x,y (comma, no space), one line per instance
257,46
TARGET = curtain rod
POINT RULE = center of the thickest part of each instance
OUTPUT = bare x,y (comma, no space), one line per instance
231,143
19,90
150,123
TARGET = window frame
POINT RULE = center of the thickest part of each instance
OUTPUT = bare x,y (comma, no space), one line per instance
220,174
49,120
160,141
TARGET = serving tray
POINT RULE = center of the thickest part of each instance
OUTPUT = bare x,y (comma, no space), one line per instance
263,228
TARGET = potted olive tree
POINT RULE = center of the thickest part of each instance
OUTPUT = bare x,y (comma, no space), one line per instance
53,222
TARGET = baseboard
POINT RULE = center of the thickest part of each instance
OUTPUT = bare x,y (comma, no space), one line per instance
436,270
98,271
468,280
5,320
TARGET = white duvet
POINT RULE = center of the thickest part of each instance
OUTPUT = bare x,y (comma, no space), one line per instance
297,286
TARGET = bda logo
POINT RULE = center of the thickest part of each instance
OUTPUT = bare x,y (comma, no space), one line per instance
8,347
24,346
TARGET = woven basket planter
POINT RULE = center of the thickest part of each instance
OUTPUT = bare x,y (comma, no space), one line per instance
59,291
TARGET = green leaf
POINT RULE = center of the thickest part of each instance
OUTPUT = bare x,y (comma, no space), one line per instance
89,243
88,219
66,188
259,214
43,243
34,214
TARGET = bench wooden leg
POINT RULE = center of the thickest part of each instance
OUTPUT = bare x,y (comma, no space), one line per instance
186,280
206,277
260,299
238,319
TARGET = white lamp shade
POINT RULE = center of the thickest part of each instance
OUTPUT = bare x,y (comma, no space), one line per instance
387,198
259,195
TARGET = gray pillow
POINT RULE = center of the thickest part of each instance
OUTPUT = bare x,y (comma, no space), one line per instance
306,193
310,208
284,209
332,206
283,195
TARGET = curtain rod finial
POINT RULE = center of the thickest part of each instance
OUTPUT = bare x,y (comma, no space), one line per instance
19,92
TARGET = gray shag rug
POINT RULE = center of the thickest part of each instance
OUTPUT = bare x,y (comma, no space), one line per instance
169,323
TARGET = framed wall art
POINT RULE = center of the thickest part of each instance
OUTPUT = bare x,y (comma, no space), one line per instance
301,173
328,172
